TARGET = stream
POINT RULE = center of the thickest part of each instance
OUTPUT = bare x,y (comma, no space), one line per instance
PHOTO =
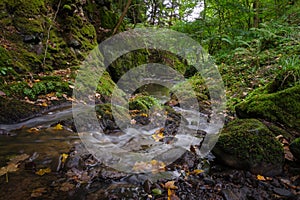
44,144
52,163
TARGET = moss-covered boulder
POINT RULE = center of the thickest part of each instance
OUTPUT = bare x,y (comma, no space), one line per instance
295,148
280,107
248,144
13,111
136,58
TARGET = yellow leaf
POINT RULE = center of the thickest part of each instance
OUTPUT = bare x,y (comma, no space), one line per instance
197,171
58,127
260,177
170,192
64,157
41,172
44,104
158,135
144,115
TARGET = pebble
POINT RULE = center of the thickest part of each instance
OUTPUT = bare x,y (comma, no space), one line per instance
229,195
283,192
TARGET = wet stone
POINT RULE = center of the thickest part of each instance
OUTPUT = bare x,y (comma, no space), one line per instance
283,192
229,195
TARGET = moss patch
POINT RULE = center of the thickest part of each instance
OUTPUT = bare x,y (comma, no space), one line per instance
282,106
295,148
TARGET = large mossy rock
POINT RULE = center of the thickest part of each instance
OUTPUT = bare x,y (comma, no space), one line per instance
295,148
280,107
248,144
13,111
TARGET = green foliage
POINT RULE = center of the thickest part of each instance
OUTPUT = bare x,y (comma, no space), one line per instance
22,89
143,103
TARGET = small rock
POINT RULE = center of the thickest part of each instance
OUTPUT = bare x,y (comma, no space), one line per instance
74,43
283,192
209,181
147,186
229,195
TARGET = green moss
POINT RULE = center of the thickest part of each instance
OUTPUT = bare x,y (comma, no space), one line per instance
282,107
295,148
5,58
250,141
45,86
109,19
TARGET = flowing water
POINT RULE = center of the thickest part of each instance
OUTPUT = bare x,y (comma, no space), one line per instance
44,143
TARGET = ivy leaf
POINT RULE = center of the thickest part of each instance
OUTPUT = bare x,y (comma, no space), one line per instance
156,191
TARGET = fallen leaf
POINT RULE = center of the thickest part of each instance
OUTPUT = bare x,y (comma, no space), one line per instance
263,178
197,171
144,115
156,191
18,158
44,104
158,135
154,166
65,187
41,172
64,157
33,130
260,177
287,153
38,192
58,127
170,185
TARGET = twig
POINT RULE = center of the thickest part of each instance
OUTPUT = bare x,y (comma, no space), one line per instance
122,17
48,34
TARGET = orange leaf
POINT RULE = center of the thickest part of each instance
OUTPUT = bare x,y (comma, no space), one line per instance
170,185
261,178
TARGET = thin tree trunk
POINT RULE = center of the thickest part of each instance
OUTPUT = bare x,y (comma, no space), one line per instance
256,13
122,17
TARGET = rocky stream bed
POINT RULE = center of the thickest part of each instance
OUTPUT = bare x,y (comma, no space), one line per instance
43,158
